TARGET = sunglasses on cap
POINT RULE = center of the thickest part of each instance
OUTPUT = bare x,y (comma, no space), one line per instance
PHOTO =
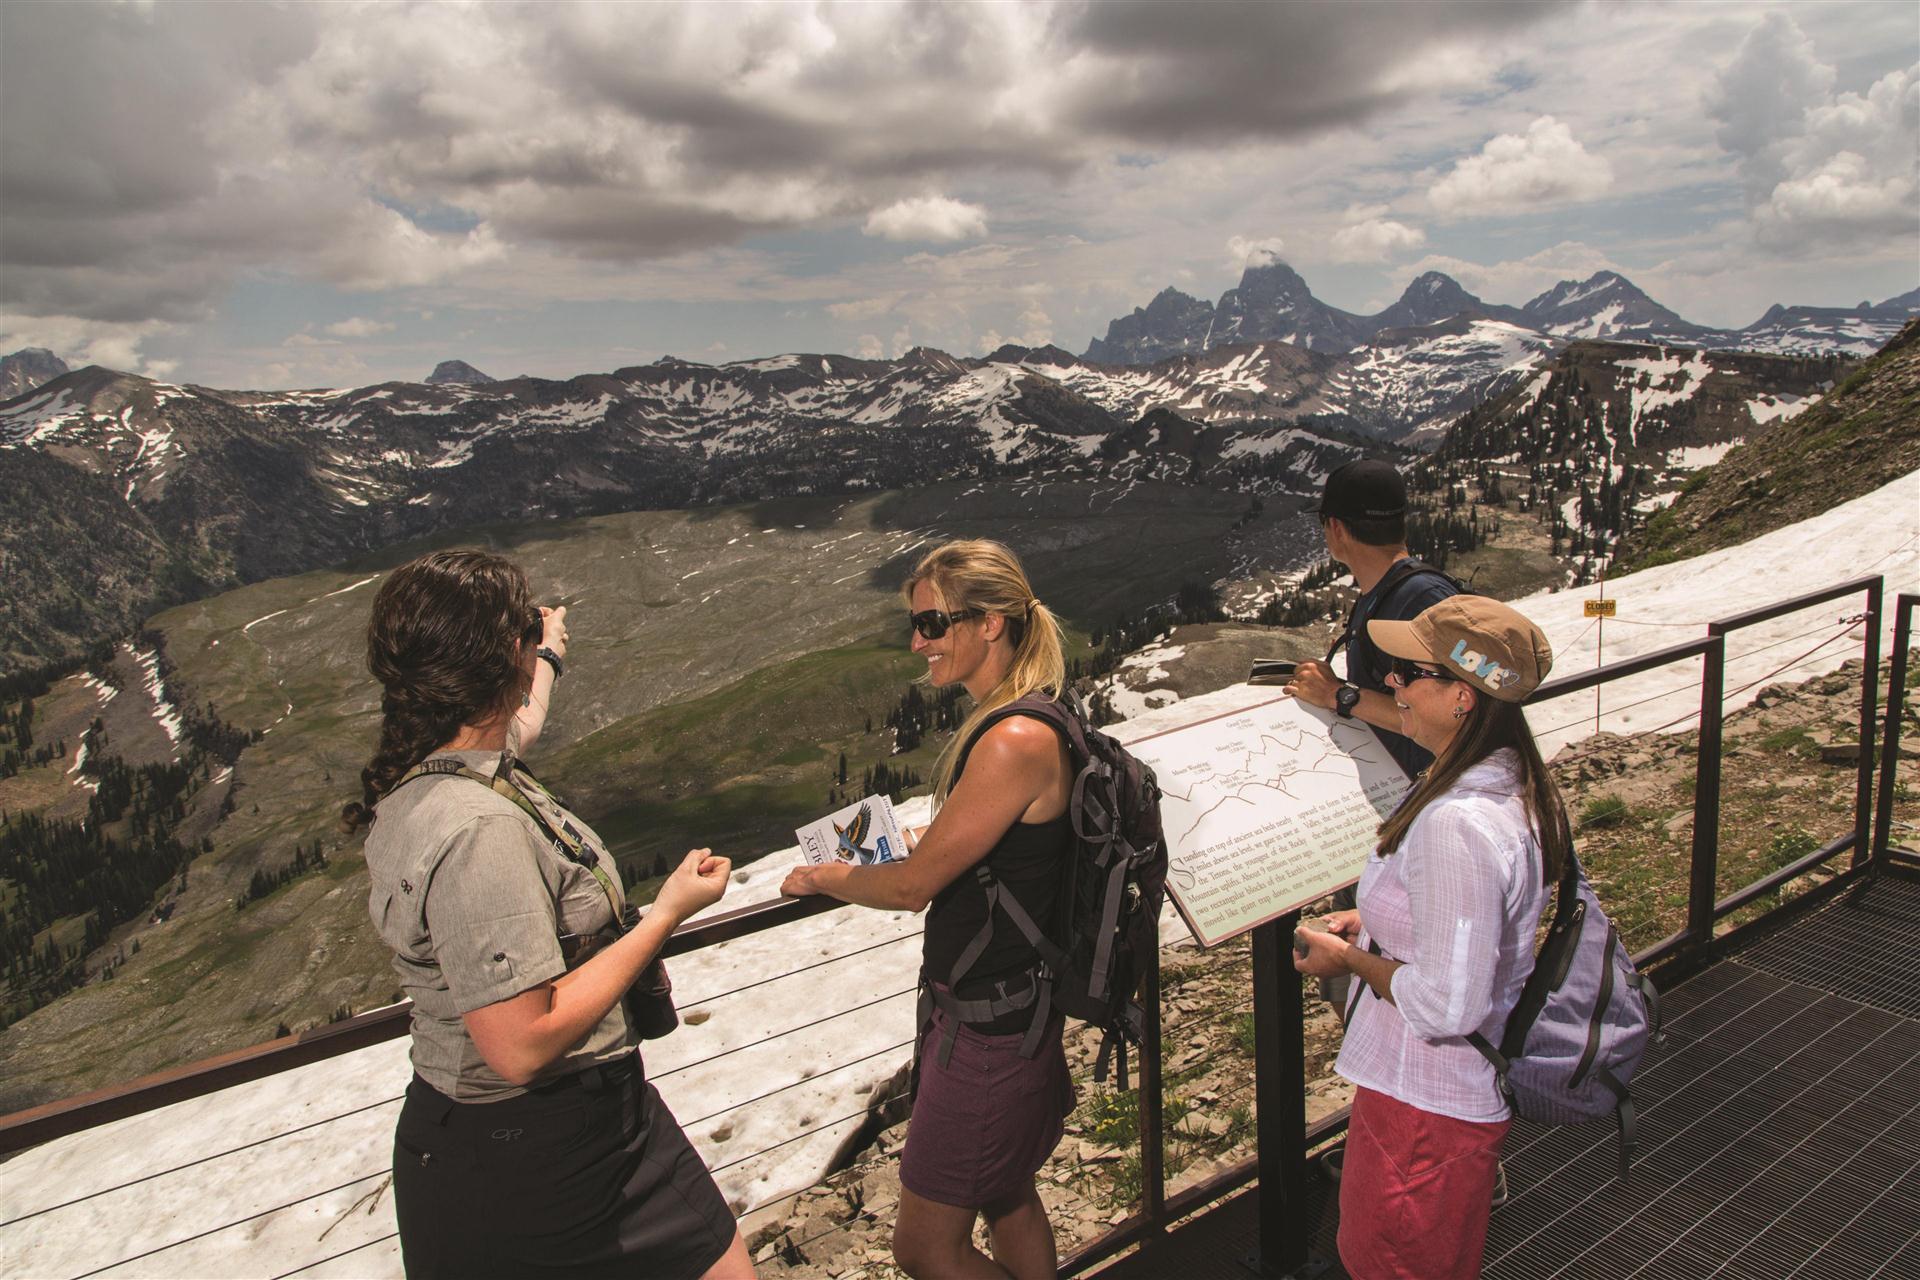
1406,671
934,623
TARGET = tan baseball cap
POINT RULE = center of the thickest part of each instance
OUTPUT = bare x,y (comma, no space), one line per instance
1477,639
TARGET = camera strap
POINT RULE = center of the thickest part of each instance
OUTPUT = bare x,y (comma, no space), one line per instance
568,842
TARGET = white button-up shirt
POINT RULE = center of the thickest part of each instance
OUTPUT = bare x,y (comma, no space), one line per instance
1458,904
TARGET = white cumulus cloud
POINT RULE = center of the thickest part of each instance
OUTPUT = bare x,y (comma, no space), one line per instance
1849,177
1514,172
1243,251
1821,171
861,308
936,218
358,327
81,341
1761,98
1375,240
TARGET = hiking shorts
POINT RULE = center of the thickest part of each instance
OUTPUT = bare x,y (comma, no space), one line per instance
587,1176
1416,1190
984,1123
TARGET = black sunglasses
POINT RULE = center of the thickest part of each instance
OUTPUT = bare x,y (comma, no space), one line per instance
1406,670
933,623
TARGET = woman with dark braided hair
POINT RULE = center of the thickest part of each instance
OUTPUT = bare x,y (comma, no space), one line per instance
530,1141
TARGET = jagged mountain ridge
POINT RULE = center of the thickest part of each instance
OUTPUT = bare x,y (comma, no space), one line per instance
214,488
222,487
1622,402
1273,303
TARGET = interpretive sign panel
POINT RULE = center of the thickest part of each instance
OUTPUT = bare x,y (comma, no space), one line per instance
1266,809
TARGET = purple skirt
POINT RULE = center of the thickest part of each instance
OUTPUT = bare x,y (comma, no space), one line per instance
984,1123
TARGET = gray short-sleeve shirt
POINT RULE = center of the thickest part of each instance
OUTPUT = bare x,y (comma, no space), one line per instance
472,896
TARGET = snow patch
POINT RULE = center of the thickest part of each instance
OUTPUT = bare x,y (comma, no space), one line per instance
165,714
1658,502
1873,534
1662,381
1778,408
342,591
1694,457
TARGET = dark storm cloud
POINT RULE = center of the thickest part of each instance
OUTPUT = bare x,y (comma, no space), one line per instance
1203,71
206,141
903,102
105,159
103,103
608,224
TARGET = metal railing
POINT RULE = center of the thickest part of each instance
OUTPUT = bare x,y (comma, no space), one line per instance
1283,1136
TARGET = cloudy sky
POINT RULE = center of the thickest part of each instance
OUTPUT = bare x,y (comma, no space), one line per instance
274,195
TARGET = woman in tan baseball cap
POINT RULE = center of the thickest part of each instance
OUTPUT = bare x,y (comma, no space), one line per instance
1442,942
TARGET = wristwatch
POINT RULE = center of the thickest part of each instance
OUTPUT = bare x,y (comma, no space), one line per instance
559,667
1345,700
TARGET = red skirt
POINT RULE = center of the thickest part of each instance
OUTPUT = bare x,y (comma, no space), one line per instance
1416,1190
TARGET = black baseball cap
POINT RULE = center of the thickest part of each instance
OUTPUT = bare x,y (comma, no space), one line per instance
1364,489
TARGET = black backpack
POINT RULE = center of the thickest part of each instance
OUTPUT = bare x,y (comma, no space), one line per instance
1107,925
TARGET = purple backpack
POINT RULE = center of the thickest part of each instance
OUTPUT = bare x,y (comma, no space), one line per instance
1582,1024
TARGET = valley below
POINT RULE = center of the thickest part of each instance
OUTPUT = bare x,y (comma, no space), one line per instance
727,664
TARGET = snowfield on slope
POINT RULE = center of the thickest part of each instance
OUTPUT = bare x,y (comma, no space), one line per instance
1877,533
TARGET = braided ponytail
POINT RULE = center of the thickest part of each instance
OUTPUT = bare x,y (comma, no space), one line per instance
445,641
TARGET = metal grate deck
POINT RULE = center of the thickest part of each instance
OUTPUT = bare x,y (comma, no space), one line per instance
1844,946
1779,1130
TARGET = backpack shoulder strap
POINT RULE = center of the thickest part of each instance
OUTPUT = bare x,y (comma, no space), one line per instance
1398,574
1068,721
1062,713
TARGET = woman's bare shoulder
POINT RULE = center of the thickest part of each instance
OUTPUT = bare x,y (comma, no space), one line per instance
1023,736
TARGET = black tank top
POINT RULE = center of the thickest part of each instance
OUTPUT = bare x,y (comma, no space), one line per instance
1029,862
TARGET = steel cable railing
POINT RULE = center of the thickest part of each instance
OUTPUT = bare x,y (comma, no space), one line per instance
754,919
805,968
795,1084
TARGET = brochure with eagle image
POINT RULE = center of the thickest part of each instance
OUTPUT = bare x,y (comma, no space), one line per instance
862,834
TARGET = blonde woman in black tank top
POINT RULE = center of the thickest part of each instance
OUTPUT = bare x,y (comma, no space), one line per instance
985,1117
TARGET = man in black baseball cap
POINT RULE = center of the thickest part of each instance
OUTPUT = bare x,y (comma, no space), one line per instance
1363,513
1365,489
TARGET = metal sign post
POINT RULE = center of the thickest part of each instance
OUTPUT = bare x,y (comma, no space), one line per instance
1280,1102
1599,610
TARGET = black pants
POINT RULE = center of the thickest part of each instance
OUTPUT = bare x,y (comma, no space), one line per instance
586,1176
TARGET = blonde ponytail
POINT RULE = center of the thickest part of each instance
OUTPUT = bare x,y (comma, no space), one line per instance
977,573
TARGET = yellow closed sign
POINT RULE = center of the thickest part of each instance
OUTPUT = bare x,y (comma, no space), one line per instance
1600,608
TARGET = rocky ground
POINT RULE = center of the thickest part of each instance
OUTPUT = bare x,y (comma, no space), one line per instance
1788,778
